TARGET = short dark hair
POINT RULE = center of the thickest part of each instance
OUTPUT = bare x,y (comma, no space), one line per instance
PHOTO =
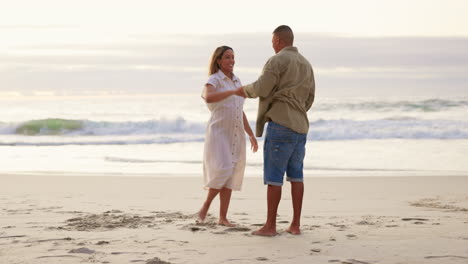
285,34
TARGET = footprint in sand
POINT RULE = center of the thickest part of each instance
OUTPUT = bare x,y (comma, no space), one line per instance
12,236
195,229
123,253
240,214
237,229
365,222
58,256
315,251
340,227
107,221
417,221
219,233
414,219
448,204
156,261
82,251
354,261
446,256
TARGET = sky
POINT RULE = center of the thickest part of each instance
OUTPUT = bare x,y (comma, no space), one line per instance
364,47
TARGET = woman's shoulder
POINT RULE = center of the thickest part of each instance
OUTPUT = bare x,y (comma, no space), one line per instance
214,76
213,79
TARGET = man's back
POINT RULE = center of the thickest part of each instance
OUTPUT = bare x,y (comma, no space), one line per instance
295,91
286,90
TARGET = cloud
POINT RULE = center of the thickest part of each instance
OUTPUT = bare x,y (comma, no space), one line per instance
405,65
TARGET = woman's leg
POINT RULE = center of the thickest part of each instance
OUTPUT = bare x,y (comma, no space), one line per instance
225,198
206,205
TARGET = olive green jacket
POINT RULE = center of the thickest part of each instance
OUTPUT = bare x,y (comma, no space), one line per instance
286,89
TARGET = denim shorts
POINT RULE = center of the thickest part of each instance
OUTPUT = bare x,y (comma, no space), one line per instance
283,151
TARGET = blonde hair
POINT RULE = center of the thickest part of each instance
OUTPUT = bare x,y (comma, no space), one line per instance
217,54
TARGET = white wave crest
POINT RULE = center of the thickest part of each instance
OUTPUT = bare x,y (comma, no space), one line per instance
179,130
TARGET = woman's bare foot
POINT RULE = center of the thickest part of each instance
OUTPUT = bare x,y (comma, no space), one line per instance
202,214
225,222
265,231
294,230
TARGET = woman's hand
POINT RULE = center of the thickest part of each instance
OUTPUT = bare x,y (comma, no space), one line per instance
240,92
253,143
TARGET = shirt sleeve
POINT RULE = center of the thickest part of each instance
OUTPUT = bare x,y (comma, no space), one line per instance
213,81
214,86
266,82
311,97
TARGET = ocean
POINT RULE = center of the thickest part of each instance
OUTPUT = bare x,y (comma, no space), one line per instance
163,134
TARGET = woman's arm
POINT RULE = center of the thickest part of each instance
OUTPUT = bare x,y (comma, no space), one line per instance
248,130
211,96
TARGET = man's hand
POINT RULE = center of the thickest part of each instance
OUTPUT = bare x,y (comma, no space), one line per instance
240,92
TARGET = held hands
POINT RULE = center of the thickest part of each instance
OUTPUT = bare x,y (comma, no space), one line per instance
253,143
240,92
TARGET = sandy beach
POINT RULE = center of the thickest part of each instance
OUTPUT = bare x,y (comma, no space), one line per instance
134,219
113,112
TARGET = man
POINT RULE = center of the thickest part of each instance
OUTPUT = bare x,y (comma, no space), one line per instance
286,90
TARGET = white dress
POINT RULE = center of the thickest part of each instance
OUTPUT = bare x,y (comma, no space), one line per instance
224,151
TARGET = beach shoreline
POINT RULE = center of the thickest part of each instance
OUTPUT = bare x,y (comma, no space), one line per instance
124,219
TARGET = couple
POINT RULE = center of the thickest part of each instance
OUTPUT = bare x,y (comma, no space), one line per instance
286,90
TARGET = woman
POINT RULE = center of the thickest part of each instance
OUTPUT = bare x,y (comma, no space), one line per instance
224,153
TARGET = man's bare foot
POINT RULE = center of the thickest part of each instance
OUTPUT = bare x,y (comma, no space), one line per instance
225,222
294,230
264,231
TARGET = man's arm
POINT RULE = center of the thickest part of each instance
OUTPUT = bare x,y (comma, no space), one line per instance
311,97
265,83
263,86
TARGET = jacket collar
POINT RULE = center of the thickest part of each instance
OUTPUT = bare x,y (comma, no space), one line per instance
289,48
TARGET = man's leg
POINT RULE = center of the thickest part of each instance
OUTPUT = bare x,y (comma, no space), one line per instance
277,151
273,199
296,177
297,193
